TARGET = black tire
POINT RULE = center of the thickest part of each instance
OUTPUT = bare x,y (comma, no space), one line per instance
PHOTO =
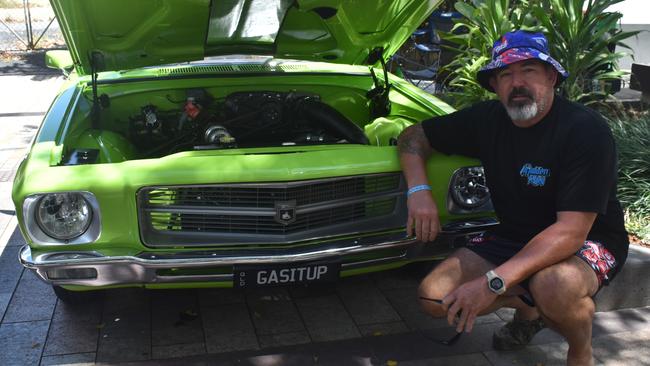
76,297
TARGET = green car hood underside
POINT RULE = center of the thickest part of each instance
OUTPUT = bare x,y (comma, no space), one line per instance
111,35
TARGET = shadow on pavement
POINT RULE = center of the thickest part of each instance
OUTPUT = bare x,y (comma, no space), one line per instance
27,63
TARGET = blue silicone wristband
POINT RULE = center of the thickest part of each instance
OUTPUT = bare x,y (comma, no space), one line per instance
421,187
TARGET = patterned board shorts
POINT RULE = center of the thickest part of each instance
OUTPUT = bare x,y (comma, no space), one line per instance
497,250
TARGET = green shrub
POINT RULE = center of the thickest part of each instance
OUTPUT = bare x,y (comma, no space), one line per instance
633,141
483,22
581,40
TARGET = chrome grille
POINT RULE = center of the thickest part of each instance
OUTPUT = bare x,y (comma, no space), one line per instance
246,213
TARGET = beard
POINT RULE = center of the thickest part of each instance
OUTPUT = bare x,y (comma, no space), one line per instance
523,109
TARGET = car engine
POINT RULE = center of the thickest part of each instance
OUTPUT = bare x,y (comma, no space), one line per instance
240,120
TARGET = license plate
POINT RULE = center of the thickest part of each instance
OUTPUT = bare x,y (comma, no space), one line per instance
262,276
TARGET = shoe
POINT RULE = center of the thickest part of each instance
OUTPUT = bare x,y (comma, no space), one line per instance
516,334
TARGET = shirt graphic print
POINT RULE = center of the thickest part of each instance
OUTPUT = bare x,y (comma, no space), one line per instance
536,174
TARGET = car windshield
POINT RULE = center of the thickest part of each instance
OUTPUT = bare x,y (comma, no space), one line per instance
250,21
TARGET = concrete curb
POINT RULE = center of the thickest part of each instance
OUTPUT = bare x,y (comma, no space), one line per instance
630,288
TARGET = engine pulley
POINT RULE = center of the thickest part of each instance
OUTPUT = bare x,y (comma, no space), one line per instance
218,135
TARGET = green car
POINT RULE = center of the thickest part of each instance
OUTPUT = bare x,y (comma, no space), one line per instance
232,143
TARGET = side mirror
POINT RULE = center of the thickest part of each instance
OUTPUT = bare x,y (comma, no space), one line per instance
59,59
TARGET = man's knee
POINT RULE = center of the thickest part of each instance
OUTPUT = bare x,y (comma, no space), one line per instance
443,279
429,290
558,288
461,266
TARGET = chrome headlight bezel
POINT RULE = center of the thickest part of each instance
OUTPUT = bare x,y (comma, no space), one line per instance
468,192
42,237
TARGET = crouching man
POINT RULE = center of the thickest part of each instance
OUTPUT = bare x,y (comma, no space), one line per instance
550,165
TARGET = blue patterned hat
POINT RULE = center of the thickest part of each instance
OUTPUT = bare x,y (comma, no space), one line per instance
518,46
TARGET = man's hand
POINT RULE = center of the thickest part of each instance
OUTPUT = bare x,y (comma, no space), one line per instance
423,216
467,301
414,150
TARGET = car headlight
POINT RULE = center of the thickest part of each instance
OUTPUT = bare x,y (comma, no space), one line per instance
63,215
62,218
468,191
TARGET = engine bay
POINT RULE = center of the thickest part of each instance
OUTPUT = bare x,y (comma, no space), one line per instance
239,120
151,119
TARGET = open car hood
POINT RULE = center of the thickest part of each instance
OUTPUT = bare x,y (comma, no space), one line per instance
111,35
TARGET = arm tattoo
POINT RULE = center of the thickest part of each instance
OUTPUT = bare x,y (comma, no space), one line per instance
413,141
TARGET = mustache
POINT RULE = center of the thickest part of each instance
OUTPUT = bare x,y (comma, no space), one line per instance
520,92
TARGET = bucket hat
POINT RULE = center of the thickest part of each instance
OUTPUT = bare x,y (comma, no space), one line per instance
518,46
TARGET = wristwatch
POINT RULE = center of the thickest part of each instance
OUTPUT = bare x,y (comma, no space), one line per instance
496,284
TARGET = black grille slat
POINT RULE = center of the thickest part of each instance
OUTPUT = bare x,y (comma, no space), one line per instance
267,197
263,224
340,201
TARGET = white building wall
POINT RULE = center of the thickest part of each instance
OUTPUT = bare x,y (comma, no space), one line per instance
634,11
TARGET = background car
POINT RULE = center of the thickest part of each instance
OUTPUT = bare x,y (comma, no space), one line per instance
232,143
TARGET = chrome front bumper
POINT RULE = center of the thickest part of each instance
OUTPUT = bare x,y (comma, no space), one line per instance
94,269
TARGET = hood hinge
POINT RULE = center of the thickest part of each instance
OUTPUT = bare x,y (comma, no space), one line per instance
379,101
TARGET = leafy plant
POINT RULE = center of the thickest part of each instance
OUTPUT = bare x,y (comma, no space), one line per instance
579,40
483,22
633,140
583,42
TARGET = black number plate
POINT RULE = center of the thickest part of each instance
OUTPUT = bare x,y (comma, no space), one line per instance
257,276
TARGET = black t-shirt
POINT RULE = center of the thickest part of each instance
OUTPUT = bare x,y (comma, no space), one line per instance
565,162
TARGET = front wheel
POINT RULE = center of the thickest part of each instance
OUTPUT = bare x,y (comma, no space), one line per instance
75,297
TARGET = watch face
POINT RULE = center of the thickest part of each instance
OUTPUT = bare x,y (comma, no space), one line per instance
496,283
